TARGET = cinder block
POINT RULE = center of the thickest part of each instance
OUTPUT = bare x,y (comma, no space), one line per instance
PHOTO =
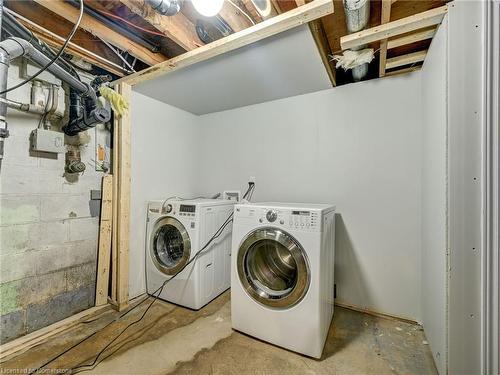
81,276
65,255
58,308
20,209
22,180
16,266
9,297
23,237
17,147
41,287
12,326
58,207
91,180
84,229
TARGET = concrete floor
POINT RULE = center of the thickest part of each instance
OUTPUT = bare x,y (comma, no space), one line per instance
175,340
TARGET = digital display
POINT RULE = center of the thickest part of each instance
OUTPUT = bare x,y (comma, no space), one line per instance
305,213
187,208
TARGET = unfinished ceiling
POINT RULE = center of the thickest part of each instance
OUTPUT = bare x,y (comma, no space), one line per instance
268,70
123,36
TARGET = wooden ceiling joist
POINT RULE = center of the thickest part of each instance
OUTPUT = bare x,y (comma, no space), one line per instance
385,18
404,25
411,38
178,28
403,71
265,29
103,32
410,58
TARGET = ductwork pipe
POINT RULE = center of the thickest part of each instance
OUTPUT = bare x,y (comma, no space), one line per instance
357,14
166,7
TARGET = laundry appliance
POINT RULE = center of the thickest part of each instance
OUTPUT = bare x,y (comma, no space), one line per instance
282,285
176,230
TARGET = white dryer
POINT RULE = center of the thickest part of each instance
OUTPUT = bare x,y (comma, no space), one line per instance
282,287
176,230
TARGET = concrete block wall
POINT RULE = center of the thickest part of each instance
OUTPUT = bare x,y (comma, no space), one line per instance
48,237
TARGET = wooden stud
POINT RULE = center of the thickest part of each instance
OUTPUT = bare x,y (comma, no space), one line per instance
404,25
122,127
178,27
411,38
410,58
319,35
36,338
386,17
265,29
104,250
403,71
100,30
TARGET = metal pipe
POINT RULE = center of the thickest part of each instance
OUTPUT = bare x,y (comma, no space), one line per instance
14,47
114,25
4,68
357,13
165,7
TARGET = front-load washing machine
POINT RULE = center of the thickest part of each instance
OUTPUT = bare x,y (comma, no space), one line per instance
282,287
176,230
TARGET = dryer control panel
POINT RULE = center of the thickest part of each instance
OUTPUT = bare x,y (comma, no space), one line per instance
287,219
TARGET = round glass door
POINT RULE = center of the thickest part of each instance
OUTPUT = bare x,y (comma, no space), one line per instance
273,268
170,246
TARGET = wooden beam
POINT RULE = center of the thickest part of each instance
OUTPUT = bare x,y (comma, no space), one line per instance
234,18
403,71
76,50
121,199
265,29
385,18
411,38
30,340
104,249
319,35
410,58
103,32
178,27
398,27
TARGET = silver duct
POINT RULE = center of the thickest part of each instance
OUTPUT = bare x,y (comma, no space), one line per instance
357,14
166,7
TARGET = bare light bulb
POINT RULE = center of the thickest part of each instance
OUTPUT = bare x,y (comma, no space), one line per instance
208,8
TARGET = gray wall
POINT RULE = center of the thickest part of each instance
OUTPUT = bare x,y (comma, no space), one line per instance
48,239
434,196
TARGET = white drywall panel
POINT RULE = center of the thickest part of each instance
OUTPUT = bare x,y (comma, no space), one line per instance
357,146
434,196
281,66
164,163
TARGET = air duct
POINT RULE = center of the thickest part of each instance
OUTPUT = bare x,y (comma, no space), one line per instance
166,7
357,14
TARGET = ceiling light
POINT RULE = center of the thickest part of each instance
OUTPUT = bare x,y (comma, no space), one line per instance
208,8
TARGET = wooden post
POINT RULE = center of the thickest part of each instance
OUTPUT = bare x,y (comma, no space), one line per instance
104,250
121,203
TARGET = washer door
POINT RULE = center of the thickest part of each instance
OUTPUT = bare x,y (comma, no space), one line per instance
170,246
273,268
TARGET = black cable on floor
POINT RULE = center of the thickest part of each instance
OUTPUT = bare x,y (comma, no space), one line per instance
155,296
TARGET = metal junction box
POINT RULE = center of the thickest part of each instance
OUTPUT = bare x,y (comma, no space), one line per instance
47,141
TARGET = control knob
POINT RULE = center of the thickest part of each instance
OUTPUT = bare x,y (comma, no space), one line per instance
271,216
168,209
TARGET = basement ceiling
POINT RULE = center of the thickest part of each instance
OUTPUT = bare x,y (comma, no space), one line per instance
285,65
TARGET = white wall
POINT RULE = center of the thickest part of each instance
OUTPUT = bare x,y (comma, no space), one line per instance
164,163
434,196
357,146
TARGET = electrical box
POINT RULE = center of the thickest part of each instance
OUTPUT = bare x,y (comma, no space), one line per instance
232,195
47,141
